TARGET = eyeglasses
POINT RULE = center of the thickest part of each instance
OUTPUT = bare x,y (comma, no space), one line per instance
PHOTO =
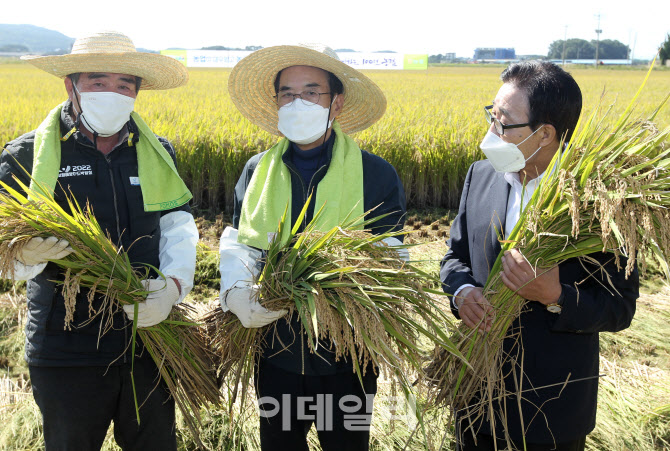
307,97
500,127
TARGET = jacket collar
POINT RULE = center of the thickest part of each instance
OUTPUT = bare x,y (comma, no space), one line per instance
328,149
498,191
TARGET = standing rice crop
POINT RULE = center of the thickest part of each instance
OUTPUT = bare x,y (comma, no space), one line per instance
177,345
609,191
430,132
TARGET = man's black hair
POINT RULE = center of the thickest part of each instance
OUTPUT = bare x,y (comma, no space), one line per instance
75,78
334,84
553,95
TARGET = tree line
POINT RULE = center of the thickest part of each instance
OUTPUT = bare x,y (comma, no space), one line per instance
608,49
574,49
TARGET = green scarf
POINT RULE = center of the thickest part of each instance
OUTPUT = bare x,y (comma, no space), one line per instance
269,191
162,188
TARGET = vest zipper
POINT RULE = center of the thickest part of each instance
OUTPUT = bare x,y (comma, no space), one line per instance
304,199
302,183
315,173
302,338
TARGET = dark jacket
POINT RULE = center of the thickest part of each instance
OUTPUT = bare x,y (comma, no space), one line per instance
105,182
556,347
381,187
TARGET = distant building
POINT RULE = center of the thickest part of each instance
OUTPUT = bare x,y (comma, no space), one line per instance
494,54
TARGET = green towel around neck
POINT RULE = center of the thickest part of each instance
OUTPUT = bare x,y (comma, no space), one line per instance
269,192
162,187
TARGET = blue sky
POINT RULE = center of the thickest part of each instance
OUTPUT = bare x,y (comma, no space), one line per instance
418,26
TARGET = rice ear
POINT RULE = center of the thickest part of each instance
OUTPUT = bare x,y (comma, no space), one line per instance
348,289
177,345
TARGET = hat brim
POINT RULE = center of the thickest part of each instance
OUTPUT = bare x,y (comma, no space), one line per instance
251,87
157,71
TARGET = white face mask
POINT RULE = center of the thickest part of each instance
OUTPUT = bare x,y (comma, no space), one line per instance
105,113
504,156
303,123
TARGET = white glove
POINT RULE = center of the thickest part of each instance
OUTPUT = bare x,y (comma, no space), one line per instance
238,263
158,304
40,250
392,242
243,302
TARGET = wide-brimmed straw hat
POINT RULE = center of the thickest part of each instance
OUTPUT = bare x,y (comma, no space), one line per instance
251,86
114,52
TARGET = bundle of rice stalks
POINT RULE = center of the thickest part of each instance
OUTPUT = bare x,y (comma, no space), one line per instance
347,288
177,345
609,191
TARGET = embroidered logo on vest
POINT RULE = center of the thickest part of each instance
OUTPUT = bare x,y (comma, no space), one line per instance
75,171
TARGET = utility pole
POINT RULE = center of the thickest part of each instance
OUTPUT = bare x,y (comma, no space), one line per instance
598,31
565,38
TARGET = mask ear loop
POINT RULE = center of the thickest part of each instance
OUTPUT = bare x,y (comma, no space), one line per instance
538,149
78,121
328,119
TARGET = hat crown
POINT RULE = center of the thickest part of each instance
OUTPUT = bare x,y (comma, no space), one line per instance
251,86
103,42
321,48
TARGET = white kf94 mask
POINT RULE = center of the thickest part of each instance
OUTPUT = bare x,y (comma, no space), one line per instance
303,123
504,156
105,113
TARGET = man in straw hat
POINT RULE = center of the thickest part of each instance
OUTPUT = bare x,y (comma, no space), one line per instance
95,149
554,357
312,99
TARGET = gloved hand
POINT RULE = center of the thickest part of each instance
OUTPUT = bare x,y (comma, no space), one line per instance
243,302
403,252
40,250
158,304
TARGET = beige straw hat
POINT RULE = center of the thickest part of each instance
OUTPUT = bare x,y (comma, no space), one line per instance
251,86
111,51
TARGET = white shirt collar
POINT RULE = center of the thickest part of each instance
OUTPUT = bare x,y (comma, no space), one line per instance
514,180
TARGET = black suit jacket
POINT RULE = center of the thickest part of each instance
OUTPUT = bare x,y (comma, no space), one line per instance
556,347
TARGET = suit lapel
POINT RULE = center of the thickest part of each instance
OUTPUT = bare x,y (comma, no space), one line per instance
499,192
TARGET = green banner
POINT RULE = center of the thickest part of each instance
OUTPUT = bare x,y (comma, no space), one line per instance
415,62
179,55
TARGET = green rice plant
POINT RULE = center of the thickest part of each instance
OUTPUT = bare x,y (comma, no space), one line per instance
634,393
609,191
21,418
12,335
177,345
348,287
207,273
658,422
645,337
628,394
224,429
